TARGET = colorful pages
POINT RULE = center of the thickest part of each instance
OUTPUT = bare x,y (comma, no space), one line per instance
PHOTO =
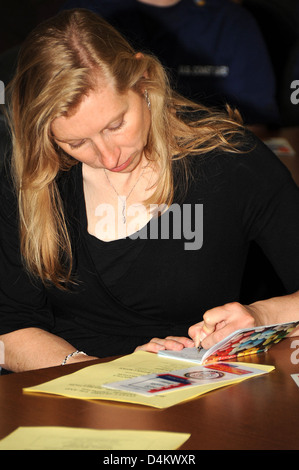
239,343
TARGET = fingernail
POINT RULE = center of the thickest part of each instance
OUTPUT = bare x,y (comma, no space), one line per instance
202,336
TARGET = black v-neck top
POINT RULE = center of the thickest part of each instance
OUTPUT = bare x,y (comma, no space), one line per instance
113,259
129,291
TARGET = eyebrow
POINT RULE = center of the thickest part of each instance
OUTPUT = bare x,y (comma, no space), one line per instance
66,141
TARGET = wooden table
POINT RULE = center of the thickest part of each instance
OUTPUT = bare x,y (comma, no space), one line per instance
260,413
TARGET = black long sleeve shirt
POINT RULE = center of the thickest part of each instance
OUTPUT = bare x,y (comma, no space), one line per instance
130,290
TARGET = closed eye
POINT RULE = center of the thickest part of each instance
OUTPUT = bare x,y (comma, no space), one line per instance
117,126
76,146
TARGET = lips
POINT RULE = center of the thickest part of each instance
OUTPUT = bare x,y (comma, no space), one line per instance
122,167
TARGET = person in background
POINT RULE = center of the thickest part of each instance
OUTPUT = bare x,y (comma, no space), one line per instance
213,48
126,210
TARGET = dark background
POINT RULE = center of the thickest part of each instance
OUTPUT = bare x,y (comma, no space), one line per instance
278,21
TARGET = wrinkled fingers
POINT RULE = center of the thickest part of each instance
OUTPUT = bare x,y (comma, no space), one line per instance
170,342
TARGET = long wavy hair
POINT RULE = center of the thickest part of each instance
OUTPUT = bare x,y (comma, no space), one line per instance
61,61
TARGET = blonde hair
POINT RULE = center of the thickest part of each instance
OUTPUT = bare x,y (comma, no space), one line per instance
60,62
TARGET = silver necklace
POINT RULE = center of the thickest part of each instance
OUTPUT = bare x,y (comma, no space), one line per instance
123,199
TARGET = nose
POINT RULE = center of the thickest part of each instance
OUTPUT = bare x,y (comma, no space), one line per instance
107,151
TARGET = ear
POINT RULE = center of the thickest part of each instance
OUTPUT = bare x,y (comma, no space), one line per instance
140,56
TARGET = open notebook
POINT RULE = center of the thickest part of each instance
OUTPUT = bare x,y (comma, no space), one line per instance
239,343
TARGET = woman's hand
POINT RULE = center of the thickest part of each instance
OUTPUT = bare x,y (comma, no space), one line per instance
219,322
175,343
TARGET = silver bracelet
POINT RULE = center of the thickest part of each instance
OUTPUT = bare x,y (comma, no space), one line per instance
73,354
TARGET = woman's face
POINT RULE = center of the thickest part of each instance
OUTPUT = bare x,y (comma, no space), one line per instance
107,130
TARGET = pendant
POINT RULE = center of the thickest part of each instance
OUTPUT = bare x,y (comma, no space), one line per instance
123,200
124,213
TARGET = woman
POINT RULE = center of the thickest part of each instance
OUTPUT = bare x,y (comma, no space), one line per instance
103,154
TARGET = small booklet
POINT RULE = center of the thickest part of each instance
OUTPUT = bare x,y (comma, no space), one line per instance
239,343
220,374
